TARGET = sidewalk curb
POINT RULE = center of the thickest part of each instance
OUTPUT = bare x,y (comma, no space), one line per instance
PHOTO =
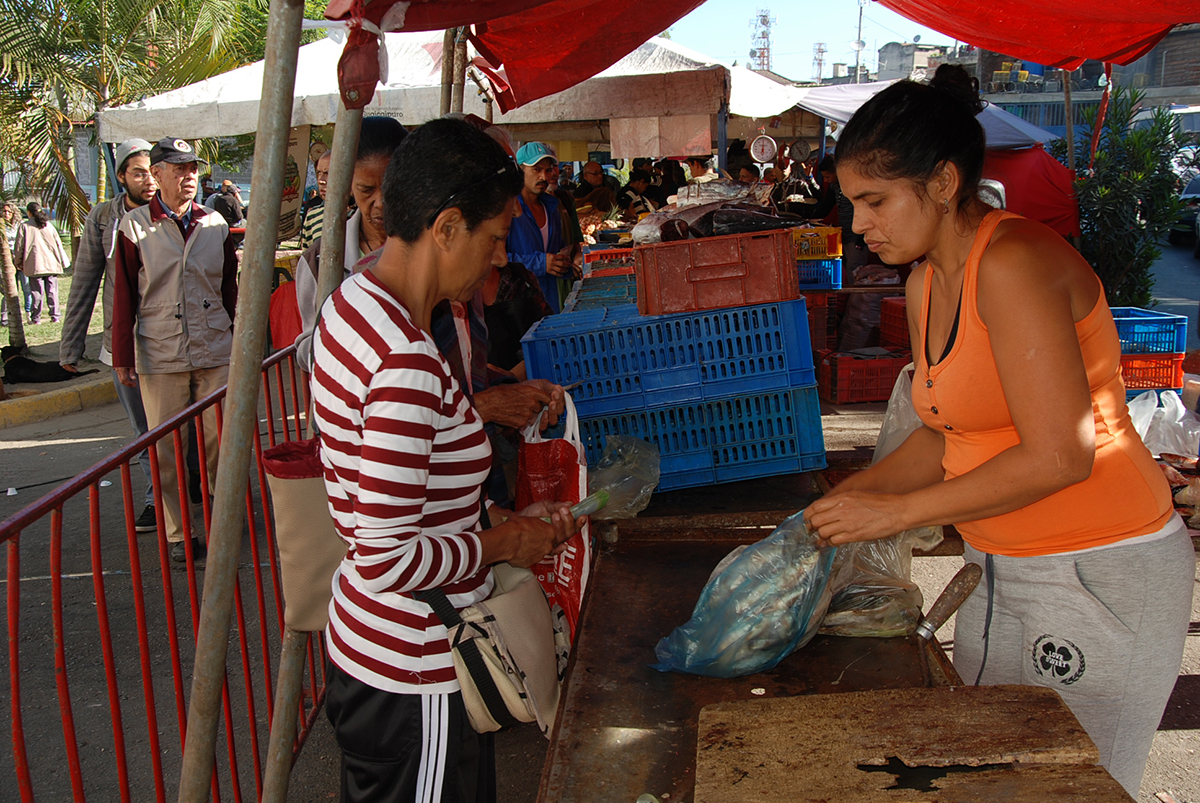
55,403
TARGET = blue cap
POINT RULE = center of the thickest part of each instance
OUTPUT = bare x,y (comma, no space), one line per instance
533,152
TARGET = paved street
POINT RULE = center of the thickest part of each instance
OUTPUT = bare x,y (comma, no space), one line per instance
1177,286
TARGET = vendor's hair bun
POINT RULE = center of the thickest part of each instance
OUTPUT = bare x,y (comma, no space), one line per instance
959,84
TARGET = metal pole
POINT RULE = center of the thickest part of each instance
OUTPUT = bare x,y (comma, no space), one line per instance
283,727
723,137
241,411
337,196
858,42
1070,115
460,71
447,68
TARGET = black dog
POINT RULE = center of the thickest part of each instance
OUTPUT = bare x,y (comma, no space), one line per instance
18,369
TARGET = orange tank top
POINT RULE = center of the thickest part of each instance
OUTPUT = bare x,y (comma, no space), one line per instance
961,397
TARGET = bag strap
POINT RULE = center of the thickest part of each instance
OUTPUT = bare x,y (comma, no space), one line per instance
533,432
436,598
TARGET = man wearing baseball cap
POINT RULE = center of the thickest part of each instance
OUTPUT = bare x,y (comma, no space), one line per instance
95,262
173,307
536,237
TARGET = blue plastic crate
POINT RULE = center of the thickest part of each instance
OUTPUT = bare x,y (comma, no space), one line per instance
1144,331
820,274
1130,395
721,440
598,292
624,361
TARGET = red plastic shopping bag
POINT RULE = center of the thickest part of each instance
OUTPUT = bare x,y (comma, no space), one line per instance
555,470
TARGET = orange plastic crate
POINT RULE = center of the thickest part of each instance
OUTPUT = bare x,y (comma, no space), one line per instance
734,270
1152,371
847,378
893,324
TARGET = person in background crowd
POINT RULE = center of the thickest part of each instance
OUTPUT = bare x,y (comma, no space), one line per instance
12,222
672,178
206,188
175,292
572,233
594,188
1025,442
405,454
38,252
698,167
228,202
314,218
536,237
749,174
377,141
95,262
632,199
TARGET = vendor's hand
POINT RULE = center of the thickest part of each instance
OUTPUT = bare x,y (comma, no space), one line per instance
527,539
555,406
128,377
69,367
855,516
558,264
511,405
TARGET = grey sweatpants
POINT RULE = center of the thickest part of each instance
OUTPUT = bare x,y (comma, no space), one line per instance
1104,629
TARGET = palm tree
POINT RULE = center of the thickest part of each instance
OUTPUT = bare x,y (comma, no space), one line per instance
61,61
10,295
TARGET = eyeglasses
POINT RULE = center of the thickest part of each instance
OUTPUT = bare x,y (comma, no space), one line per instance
509,169
586,173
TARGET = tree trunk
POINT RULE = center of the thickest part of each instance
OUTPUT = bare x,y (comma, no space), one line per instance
12,296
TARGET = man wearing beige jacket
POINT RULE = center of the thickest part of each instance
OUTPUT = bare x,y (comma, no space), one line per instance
173,306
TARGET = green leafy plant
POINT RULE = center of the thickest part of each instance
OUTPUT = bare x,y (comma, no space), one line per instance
1128,198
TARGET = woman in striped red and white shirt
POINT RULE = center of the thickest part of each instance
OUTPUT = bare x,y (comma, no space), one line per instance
405,457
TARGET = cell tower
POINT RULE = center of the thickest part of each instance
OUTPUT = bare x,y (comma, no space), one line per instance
818,61
760,40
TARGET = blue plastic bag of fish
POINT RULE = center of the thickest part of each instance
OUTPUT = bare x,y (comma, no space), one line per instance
761,603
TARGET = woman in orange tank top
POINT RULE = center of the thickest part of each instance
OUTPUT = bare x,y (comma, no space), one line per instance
1026,444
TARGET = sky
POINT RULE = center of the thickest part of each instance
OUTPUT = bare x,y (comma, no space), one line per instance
722,29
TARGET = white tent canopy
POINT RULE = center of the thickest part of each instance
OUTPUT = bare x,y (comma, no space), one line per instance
658,79
840,102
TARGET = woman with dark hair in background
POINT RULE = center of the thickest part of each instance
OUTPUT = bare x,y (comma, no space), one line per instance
405,456
38,253
379,138
1026,445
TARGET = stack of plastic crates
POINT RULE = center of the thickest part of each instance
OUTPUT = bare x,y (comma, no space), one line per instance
818,258
726,394
1152,349
601,292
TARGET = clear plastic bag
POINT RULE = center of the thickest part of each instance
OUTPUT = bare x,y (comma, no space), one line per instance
629,471
1166,426
761,603
873,593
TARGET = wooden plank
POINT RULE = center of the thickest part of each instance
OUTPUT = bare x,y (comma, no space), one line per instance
826,747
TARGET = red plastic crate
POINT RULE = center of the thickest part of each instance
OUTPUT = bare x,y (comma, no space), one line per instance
1152,371
735,270
822,320
847,378
893,324
607,255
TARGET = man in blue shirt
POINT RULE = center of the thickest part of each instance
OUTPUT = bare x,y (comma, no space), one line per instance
536,237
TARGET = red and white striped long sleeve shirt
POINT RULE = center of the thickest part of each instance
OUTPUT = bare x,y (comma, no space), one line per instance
405,457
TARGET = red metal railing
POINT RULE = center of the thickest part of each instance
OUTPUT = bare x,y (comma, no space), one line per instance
81,726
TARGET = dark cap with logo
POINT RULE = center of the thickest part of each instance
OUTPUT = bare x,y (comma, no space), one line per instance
173,151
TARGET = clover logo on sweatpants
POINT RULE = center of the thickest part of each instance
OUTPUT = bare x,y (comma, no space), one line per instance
1058,659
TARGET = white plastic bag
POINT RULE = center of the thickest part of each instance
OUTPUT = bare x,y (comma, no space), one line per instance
900,420
1170,429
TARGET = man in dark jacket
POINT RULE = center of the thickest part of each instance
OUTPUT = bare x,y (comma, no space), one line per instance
229,203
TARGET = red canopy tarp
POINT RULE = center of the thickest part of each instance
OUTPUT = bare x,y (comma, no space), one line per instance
1060,34
1037,186
546,46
